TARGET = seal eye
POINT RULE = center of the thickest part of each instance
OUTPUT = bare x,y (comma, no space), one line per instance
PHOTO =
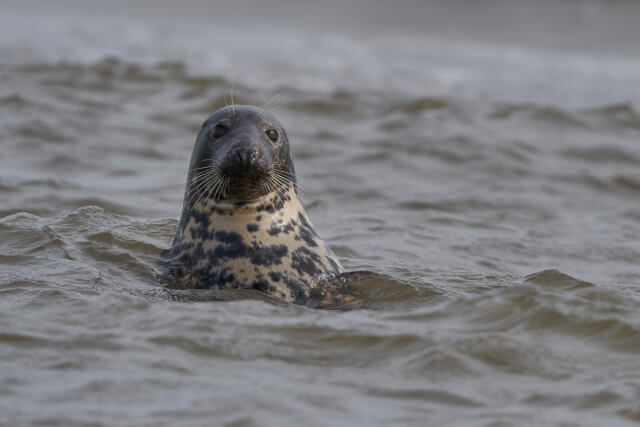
218,131
273,135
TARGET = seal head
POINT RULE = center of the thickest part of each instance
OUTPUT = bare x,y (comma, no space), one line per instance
242,223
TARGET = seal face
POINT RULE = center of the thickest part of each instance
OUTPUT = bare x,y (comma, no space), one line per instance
242,223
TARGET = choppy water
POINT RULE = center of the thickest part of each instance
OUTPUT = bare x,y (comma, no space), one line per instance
485,198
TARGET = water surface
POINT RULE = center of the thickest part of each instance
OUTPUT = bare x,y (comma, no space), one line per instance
482,193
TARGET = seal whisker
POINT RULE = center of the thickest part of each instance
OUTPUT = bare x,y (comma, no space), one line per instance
283,171
282,186
197,190
196,186
197,194
204,168
233,104
203,178
263,186
286,176
275,181
273,98
197,174
280,181
204,171
226,184
279,187
220,184
272,184
213,188
203,184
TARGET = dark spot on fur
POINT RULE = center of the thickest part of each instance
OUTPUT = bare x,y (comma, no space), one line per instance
224,276
202,218
305,224
307,236
208,279
270,209
274,230
201,228
297,288
252,227
199,252
228,237
268,255
258,218
278,203
258,255
228,212
226,251
260,285
304,261
275,276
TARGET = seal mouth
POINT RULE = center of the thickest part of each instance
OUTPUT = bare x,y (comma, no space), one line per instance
247,185
246,172
236,184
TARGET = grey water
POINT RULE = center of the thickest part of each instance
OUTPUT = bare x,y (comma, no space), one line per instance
474,165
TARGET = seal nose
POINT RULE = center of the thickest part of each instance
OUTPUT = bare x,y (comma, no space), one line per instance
245,157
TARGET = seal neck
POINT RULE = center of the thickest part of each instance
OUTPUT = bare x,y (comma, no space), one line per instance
269,203
234,210
239,207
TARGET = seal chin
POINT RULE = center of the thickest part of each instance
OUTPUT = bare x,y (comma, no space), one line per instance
248,187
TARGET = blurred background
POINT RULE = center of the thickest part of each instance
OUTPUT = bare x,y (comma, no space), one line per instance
474,164
584,25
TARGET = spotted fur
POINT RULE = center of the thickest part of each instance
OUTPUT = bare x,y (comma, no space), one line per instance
266,243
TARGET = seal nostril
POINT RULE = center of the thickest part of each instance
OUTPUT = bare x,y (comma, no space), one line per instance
238,156
253,156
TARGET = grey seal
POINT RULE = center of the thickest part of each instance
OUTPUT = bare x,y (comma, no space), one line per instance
242,224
